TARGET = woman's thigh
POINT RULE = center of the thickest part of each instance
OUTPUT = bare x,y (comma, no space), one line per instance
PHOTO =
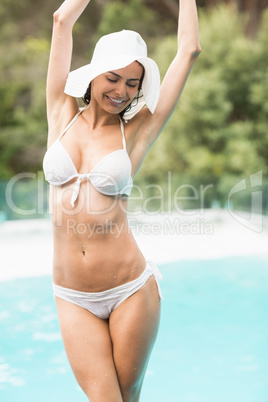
88,347
133,327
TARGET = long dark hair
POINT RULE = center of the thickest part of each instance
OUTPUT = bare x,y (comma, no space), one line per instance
87,97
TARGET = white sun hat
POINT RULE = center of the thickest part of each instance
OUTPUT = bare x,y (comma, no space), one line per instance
112,52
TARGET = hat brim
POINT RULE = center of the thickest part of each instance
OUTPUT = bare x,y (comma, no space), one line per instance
79,80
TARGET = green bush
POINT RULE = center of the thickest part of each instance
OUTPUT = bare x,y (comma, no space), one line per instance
218,132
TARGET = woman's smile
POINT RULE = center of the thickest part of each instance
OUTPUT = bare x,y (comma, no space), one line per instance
116,102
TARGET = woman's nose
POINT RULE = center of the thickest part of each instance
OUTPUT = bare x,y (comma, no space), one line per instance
121,89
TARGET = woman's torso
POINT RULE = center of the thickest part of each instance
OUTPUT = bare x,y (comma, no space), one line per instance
94,248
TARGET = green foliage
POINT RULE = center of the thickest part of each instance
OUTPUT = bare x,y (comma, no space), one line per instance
133,15
22,112
218,132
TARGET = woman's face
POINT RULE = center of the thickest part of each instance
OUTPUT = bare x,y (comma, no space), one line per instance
116,89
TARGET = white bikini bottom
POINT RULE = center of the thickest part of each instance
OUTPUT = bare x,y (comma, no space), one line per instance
103,303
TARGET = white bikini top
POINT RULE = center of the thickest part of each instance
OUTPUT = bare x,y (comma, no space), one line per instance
110,176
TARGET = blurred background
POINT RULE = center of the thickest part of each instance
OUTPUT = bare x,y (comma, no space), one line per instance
217,135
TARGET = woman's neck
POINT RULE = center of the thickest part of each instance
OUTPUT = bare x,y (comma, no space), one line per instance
98,117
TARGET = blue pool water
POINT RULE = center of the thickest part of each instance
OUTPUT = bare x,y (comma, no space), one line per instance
212,345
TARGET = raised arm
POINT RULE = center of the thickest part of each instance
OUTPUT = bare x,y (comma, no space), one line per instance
60,59
177,74
187,53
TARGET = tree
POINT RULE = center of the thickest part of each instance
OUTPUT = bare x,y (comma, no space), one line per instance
253,8
217,135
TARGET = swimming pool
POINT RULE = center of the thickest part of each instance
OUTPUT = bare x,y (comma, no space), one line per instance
212,344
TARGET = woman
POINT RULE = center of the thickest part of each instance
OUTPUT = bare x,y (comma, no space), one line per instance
107,294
